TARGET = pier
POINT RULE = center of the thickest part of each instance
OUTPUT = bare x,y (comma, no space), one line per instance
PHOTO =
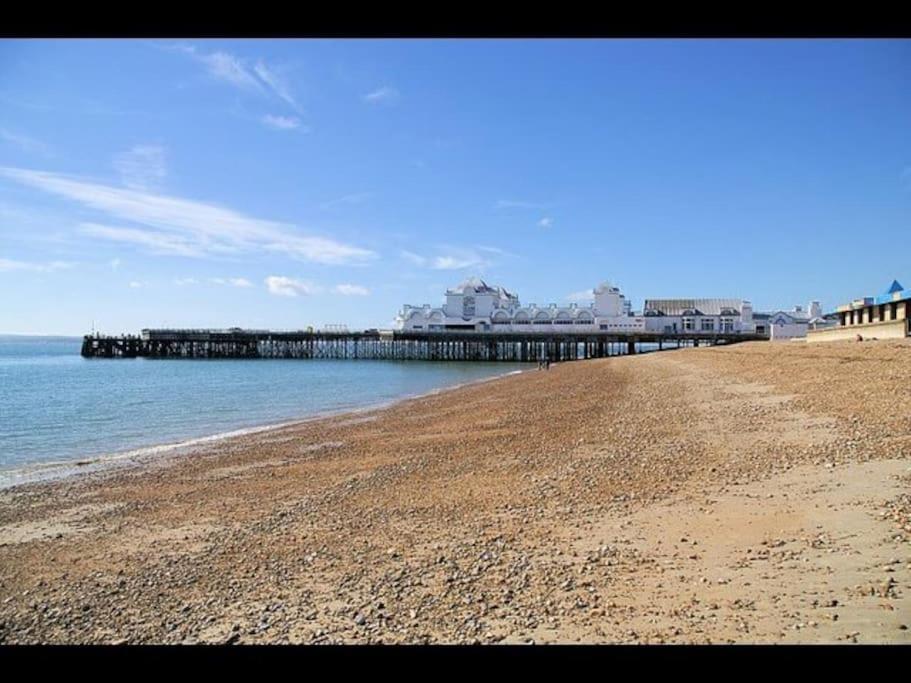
514,347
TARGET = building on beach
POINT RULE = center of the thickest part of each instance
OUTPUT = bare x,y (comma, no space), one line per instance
887,316
699,315
793,324
476,306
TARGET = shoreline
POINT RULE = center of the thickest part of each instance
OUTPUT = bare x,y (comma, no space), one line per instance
88,465
716,495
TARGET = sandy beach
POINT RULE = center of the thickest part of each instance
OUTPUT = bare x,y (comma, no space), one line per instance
754,493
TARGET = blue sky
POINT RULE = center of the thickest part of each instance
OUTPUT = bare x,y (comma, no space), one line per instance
279,183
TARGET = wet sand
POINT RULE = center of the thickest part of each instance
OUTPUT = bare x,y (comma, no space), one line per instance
755,493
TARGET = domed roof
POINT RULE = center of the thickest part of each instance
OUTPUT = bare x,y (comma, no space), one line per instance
605,287
472,285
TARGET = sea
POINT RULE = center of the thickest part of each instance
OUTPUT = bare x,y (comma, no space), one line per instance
60,412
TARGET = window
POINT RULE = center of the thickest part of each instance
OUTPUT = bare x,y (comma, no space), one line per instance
708,325
688,325
418,327
727,324
542,322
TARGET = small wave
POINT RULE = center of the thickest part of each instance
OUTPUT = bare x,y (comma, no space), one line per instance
45,471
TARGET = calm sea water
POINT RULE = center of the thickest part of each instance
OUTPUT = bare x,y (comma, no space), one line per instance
57,406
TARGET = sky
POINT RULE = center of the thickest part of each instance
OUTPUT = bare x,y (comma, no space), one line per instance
288,183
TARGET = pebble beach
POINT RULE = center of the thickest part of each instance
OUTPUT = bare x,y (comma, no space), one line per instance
752,493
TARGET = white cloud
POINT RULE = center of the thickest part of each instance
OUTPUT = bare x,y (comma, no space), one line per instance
155,242
546,222
512,204
416,259
228,68
136,285
495,250
286,286
115,263
183,281
453,258
356,198
8,265
384,94
282,122
24,142
584,295
142,167
278,85
172,225
351,290
457,263
231,281
260,78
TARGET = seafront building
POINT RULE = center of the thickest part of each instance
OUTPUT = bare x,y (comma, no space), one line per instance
887,316
476,306
699,315
794,324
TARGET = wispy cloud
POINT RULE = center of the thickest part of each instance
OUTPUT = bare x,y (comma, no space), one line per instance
386,94
286,286
416,259
546,222
454,263
452,258
276,83
351,290
460,260
155,242
348,199
186,227
25,143
231,281
9,265
496,250
516,204
184,281
236,71
283,122
135,284
115,263
142,167
583,295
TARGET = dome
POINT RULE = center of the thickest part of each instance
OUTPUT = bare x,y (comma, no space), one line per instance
472,285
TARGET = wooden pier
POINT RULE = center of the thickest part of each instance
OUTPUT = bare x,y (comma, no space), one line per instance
394,345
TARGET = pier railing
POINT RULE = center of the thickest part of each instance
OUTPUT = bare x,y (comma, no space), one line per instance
395,344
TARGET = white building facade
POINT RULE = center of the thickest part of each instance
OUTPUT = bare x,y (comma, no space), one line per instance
793,324
728,316
476,306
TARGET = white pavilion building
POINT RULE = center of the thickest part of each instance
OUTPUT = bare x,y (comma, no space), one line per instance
476,306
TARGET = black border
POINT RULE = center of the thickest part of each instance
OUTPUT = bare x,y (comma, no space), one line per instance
381,20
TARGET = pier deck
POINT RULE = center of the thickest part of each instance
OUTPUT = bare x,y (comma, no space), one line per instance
394,344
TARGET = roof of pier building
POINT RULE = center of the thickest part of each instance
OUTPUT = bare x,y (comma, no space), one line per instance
692,307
